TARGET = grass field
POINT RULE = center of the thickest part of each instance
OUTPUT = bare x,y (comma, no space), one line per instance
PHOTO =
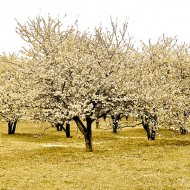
122,161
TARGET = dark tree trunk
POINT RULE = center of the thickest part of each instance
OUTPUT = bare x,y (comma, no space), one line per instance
126,117
147,129
183,131
12,127
88,134
9,127
104,117
154,119
88,142
115,120
153,134
115,127
86,131
146,119
67,130
59,126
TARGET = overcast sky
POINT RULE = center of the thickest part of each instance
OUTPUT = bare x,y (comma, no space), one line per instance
148,19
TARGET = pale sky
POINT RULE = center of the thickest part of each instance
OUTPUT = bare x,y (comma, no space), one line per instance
148,19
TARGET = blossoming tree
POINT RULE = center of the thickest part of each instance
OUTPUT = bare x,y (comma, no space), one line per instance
75,72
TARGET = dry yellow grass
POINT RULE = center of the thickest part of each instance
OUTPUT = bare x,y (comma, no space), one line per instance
120,161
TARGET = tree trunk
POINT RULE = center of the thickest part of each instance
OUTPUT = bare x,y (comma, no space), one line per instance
115,126
88,134
147,129
153,130
104,117
183,131
115,120
126,117
11,127
86,131
14,127
59,126
153,134
88,142
67,131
